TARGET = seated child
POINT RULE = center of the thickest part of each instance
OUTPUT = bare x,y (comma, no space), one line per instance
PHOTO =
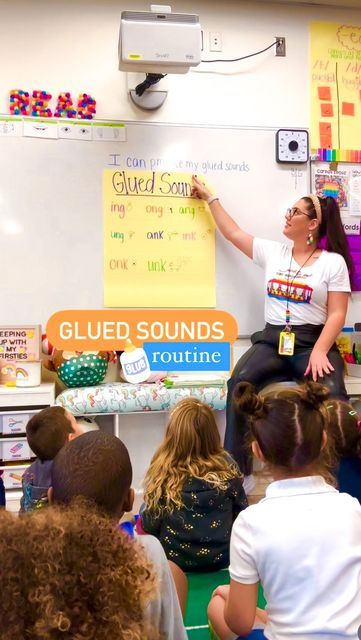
67,573
46,432
97,467
302,541
193,491
345,430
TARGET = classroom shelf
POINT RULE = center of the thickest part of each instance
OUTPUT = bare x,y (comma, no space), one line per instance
16,401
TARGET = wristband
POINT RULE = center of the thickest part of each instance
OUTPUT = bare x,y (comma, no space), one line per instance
212,199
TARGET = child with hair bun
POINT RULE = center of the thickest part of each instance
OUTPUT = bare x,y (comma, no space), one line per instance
303,540
345,429
193,491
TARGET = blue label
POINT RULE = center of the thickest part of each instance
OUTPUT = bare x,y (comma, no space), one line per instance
188,356
132,368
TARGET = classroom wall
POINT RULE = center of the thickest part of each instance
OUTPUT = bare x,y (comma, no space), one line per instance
72,46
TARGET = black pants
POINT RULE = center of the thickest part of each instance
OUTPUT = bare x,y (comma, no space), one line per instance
262,365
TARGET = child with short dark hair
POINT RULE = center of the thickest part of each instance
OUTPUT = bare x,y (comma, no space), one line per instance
47,432
193,491
345,429
302,541
97,466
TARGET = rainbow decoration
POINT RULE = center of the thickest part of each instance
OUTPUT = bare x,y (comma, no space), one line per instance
338,155
331,189
21,373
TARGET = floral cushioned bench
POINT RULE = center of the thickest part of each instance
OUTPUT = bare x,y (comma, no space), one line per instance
122,397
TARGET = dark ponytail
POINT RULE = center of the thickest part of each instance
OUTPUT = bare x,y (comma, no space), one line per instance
332,231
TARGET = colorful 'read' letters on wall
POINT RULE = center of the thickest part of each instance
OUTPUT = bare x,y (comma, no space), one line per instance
37,105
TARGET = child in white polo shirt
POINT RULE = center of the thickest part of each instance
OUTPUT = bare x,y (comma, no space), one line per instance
303,540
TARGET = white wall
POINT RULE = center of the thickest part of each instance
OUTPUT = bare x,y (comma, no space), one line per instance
72,45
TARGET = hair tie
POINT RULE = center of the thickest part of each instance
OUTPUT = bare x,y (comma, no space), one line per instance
352,413
317,206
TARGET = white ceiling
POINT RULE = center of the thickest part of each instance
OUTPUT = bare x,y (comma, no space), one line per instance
341,4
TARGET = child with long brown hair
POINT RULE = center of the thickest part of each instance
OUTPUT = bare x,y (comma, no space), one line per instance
302,541
193,491
344,426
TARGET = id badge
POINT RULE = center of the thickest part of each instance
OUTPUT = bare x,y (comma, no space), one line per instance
286,344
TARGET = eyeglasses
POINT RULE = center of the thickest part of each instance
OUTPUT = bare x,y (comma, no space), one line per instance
295,211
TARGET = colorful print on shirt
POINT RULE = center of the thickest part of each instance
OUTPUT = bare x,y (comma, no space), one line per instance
285,287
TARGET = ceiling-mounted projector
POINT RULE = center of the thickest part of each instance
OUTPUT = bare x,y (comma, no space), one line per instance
159,42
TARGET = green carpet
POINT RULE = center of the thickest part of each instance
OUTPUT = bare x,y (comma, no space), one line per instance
200,589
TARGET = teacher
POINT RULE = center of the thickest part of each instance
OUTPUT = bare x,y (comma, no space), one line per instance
307,289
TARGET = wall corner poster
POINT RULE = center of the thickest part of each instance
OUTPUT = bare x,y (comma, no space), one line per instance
344,184
336,91
159,243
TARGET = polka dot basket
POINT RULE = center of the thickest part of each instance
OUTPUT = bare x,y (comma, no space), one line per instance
83,370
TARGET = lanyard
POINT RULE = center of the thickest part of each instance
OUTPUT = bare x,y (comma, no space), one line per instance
288,326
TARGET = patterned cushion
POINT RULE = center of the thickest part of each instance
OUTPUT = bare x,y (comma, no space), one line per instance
129,398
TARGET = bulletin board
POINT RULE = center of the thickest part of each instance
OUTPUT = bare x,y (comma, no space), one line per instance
342,181
335,65
51,211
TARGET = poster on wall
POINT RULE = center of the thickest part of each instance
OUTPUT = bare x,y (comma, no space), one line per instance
159,243
343,184
336,91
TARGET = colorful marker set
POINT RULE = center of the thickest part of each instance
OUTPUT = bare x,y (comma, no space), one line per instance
338,155
349,345
65,107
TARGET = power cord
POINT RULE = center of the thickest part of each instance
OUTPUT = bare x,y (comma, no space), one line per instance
275,43
150,79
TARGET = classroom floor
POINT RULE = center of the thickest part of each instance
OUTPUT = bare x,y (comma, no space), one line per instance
201,586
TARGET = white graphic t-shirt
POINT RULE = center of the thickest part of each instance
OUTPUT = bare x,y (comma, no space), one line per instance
305,289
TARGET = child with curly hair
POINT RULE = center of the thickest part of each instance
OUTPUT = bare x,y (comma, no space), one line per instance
302,541
193,491
68,573
97,467
344,427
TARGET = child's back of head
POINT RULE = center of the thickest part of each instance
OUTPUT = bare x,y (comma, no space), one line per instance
193,490
49,430
302,541
69,573
96,466
344,428
191,449
288,426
